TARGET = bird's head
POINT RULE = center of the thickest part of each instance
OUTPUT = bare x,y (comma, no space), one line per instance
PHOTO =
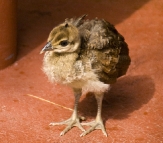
63,39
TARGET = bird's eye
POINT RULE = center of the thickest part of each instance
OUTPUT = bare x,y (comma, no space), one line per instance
64,43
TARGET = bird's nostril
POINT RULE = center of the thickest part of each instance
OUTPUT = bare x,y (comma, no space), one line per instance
47,47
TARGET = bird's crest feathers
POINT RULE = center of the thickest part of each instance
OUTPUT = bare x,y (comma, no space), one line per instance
76,22
66,25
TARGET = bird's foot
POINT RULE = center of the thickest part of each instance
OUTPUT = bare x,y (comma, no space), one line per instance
97,124
71,122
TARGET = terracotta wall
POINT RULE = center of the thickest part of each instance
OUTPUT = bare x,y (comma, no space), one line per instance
8,32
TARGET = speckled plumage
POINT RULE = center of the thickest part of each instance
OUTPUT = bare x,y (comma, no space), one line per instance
87,55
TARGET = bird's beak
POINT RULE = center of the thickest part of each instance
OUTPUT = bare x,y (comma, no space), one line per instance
47,47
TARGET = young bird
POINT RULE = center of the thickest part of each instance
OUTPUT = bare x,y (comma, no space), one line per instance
88,56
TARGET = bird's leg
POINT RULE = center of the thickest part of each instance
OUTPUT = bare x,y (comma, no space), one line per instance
74,120
97,123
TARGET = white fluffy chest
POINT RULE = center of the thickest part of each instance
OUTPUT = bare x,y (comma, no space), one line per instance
65,69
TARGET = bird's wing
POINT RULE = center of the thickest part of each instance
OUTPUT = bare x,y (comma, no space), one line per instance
107,49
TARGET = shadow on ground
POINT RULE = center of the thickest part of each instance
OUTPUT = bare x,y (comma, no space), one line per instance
130,93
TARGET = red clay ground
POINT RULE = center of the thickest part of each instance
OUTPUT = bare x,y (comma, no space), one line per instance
132,110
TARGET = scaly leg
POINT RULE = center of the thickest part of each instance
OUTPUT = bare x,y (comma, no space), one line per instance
97,123
74,120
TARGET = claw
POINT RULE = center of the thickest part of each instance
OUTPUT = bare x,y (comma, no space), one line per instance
70,124
66,130
94,125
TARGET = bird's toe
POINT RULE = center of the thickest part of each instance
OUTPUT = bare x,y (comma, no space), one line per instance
70,124
94,126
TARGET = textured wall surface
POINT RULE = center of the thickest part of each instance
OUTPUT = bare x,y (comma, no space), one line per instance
8,32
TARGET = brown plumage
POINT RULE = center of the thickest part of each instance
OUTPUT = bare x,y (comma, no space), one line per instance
87,55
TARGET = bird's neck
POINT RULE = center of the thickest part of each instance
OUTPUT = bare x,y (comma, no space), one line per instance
59,66
66,58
